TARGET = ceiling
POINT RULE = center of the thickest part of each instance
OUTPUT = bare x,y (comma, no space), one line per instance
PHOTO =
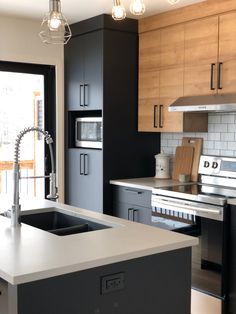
77,10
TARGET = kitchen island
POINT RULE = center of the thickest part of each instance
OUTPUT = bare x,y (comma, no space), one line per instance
126,268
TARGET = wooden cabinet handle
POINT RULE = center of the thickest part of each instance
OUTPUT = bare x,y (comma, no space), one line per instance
219,75
212,84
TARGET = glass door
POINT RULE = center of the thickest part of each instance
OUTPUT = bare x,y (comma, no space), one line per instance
24,102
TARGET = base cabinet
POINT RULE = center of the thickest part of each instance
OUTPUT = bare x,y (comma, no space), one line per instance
232,262
147,284
132,204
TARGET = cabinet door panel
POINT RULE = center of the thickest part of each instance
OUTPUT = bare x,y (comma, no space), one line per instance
227,52
148,115
150,51
171,87
84,179
201,49
172,46
74,74
93,70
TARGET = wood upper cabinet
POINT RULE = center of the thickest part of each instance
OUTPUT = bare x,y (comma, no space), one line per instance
201,52
227,53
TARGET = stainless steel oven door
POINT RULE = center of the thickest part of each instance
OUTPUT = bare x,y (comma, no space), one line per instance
206,222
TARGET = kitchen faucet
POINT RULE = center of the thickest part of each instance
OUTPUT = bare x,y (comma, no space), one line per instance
16,207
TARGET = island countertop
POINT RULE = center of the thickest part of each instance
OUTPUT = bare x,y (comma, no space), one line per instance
29,254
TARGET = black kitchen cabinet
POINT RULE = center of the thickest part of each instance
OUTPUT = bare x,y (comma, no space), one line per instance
86,178
84,72
109,75
132,204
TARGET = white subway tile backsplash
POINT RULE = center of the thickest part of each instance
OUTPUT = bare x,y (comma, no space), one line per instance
219,140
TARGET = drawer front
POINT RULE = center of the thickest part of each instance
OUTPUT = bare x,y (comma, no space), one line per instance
133,196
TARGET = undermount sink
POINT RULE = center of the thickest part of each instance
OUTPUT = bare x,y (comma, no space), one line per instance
60,224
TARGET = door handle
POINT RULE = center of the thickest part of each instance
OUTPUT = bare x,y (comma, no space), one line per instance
133,192
212,84
81,95
86,95
135,213
160,116
155,114
86,171
219,75
81,166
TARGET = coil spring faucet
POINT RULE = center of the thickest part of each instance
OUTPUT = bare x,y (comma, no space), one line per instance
16,207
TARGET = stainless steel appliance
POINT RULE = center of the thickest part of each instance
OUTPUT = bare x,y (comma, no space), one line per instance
200,210
88,132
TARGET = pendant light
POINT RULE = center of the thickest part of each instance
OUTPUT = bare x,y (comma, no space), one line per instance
55,28
118,11
173,1
137,7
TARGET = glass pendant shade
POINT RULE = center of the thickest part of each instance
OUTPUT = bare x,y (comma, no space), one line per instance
118,11
173,1
55,28
137,7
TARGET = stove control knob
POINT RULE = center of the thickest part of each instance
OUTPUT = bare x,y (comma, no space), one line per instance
214,165
206,164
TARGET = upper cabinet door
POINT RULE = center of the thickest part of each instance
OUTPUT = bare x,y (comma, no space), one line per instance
201,52
172,46
74,73
150,51
227,53
93,70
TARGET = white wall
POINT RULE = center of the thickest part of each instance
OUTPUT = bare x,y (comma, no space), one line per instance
219,140
19,42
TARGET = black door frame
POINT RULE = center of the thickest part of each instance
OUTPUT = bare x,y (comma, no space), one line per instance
48,71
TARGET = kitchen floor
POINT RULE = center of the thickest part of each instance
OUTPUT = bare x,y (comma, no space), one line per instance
204,304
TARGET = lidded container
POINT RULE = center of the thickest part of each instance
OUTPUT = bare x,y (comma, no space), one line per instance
162,166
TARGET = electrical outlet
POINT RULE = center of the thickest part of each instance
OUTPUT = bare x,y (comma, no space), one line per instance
112,283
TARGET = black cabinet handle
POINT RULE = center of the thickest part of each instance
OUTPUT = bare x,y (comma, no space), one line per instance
155,116
86,171
135,213
130,211
219,75
132,191
160,116
81,95
81,165
86,95
212,85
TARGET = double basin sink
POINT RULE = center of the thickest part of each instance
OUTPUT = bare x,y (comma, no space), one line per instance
60,224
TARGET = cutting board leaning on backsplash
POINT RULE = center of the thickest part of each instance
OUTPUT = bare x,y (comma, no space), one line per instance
183,161
197,144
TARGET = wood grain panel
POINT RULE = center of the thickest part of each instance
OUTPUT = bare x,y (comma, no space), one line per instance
146,115
185,14
183,161
148,84
172,46
150,51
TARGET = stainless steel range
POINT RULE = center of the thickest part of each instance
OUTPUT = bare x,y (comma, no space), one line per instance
200,210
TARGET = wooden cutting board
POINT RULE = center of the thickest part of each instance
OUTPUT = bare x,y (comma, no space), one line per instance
183,161
196,143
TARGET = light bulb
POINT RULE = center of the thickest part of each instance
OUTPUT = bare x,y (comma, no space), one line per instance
137,7
54,21
173,1
118,11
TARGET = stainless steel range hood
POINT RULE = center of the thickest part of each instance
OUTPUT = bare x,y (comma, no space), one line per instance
207,103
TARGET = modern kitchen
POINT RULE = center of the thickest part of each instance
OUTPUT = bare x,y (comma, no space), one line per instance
118,157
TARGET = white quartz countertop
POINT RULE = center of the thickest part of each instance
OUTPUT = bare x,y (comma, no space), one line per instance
231,201
29,254
145,183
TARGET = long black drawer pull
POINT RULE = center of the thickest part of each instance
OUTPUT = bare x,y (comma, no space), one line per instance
155,116
130,210
135,215
219,76
133,192
160,116
81,166
86,95
212,85
81,95
86,171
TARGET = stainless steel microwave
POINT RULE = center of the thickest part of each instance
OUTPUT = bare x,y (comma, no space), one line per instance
88,132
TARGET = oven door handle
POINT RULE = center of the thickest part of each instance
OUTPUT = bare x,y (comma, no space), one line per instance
191,209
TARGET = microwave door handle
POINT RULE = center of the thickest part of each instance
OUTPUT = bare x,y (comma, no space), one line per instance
81,164
184,208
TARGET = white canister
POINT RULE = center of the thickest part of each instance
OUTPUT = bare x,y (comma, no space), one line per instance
162,166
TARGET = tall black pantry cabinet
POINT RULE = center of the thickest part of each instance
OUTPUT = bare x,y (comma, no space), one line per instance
101,78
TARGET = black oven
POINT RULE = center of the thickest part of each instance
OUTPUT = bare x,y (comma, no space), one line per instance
208,223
